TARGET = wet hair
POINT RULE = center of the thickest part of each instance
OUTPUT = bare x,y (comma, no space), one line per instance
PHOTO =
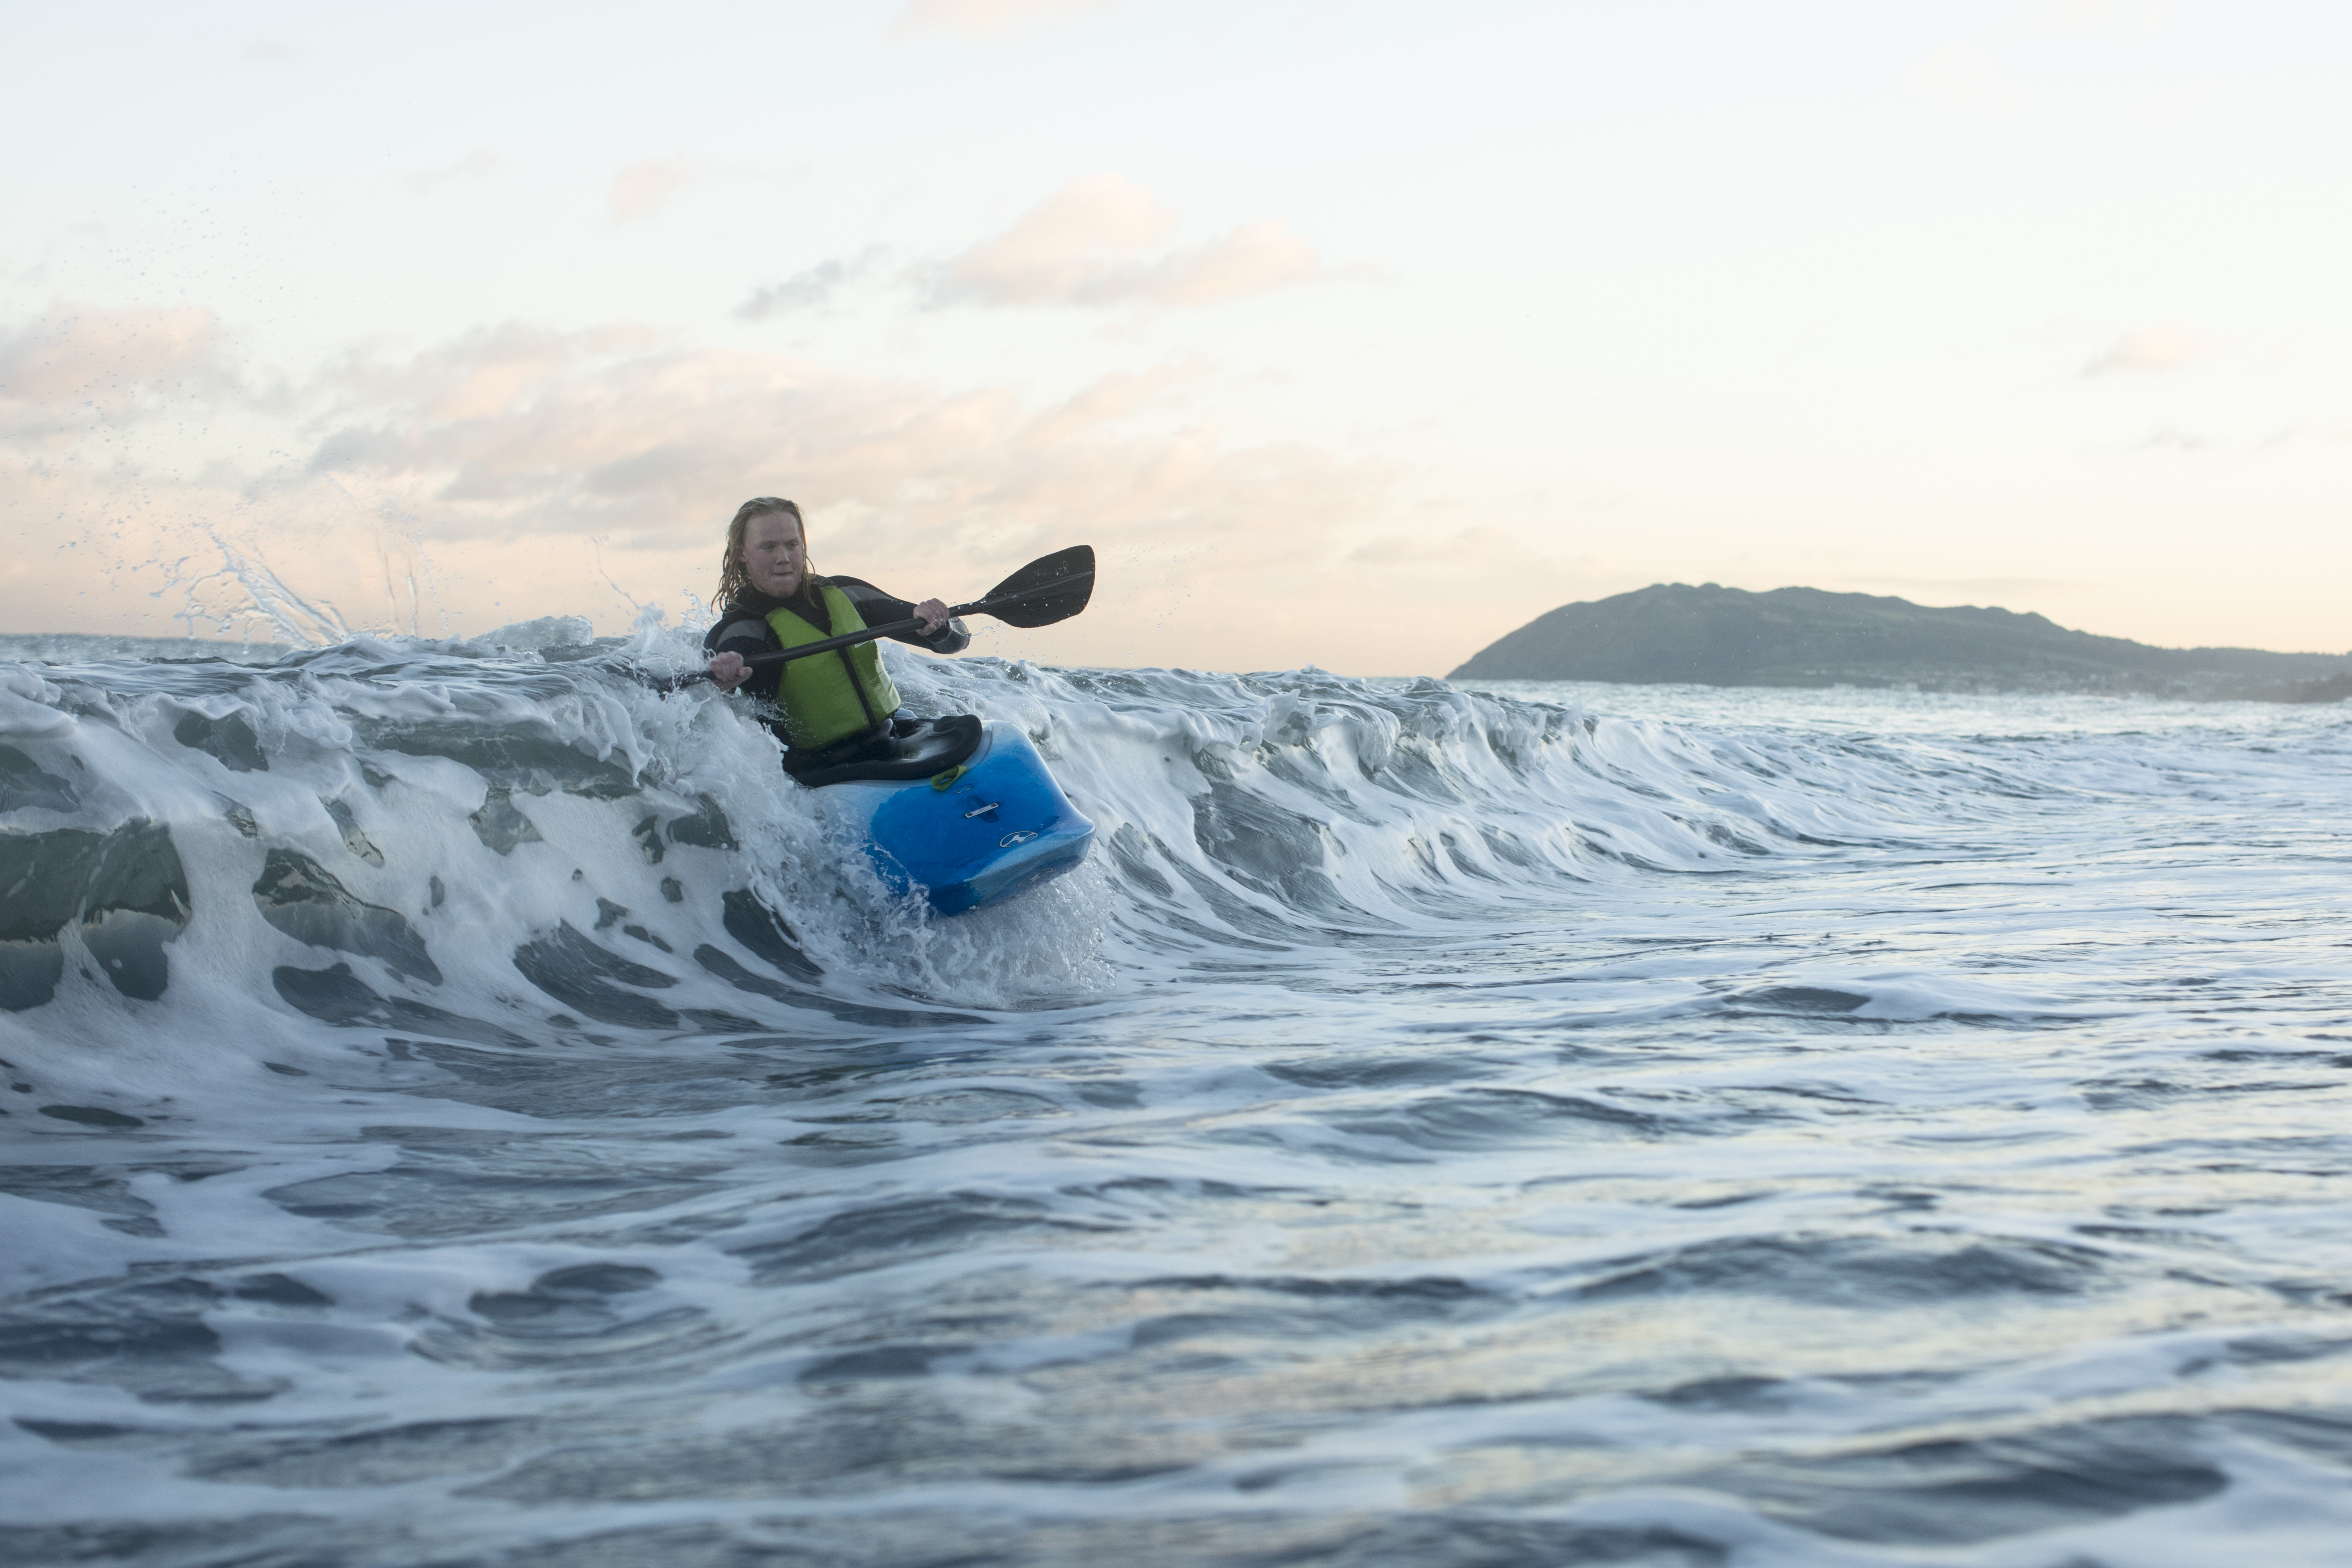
734,582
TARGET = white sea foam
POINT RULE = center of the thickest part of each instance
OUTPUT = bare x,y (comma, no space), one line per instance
1601,1124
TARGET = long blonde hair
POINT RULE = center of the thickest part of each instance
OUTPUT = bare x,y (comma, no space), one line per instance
734,582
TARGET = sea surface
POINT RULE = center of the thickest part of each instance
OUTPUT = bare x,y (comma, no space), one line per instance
463,1107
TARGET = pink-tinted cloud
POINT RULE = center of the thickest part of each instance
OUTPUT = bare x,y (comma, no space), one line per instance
2151,350
70,353
1102,240
515,431
76,365
643,189
1088,227
1257,260
516,470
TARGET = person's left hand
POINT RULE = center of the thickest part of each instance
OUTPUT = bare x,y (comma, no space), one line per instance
933,613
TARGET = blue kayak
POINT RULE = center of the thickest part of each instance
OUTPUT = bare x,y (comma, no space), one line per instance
976,831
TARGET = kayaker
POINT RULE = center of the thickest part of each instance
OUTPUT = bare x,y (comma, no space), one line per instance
830,705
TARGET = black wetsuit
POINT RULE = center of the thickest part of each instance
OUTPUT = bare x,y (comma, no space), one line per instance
743,628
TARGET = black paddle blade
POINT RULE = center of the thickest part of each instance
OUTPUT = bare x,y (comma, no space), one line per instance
1051,588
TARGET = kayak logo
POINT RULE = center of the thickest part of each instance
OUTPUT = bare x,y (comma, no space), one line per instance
1020,835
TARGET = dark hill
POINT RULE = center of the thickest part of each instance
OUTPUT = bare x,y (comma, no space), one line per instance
1804,637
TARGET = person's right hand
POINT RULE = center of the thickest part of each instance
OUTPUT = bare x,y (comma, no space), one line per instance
728,671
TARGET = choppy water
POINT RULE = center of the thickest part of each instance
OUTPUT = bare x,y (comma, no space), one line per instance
461,1108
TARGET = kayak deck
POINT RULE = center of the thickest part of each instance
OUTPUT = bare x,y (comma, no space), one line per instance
975,833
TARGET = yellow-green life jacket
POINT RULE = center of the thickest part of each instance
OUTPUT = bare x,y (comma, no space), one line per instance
829,698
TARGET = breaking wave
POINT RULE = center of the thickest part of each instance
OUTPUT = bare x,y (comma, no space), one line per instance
464,1105
522,849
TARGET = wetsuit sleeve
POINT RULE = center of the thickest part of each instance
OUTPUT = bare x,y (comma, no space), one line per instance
877,607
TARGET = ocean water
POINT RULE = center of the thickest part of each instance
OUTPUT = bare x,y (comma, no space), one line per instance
463,1107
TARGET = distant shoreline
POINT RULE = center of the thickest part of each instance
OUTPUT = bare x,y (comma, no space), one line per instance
1807,637
2333,684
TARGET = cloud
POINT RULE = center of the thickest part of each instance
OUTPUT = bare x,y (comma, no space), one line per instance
1090,243
1061,244
478,164
516,430
467,479
1120,396
983,16
811,288
473,375
269,52
2152,350
1257,260
70,352
516,435
77,365
643,189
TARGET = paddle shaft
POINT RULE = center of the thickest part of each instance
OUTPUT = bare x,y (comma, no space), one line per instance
892,629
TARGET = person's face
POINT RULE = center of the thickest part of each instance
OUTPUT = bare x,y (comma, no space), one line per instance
775,553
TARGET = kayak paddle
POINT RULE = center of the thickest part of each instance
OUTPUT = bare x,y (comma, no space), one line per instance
1049,589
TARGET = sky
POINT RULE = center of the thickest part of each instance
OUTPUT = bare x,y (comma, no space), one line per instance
1348,334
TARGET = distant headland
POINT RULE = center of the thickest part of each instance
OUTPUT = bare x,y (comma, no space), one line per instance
1712,635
